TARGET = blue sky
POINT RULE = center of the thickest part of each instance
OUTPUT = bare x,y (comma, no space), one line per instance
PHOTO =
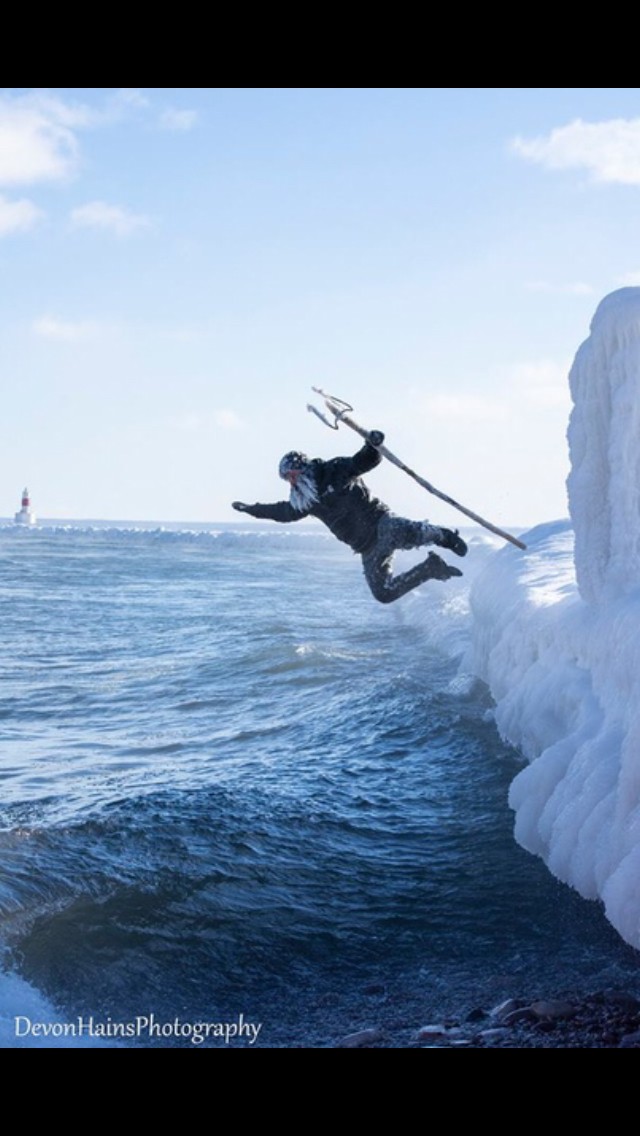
181,264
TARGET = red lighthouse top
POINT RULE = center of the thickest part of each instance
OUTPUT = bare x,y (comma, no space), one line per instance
25,499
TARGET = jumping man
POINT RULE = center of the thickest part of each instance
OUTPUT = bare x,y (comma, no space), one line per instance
333,492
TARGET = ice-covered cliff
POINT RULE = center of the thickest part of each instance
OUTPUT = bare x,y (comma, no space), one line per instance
557,637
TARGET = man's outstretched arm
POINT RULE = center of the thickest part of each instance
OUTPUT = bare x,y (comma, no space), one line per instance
281,511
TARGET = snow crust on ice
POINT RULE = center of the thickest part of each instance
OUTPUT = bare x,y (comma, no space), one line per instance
556,636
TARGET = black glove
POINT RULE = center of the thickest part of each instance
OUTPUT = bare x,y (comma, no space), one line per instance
239,506
376,438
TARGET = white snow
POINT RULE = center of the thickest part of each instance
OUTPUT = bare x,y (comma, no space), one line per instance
557,637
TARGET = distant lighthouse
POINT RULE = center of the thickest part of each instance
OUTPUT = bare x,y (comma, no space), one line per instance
25,516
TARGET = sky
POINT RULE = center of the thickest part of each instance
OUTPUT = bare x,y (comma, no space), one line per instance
181,265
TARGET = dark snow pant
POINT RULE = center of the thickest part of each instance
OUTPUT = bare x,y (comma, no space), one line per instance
395,533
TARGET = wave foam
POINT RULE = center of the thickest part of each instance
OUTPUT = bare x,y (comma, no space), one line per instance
22,1008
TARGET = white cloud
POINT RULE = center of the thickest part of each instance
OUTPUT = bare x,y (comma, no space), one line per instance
17,216
101,215
525,387
130,96
123,103
228,420
178,119
38,131
577,288
37,142
72,115
610,150
63,331
629,280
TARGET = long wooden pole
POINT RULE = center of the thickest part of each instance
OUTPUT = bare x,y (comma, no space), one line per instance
337,409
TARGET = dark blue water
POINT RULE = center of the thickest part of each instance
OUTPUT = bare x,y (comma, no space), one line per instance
234,784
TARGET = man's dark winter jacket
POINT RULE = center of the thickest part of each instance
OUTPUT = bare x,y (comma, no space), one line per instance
344,503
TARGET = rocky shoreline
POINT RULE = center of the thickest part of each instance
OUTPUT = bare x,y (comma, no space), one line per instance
607,1019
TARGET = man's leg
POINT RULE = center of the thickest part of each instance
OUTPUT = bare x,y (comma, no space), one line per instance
395,533
399,532
386,587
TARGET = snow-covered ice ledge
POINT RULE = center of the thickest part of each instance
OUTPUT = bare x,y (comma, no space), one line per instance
557,637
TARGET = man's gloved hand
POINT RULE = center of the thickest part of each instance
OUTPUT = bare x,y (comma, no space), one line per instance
376,437
239,506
